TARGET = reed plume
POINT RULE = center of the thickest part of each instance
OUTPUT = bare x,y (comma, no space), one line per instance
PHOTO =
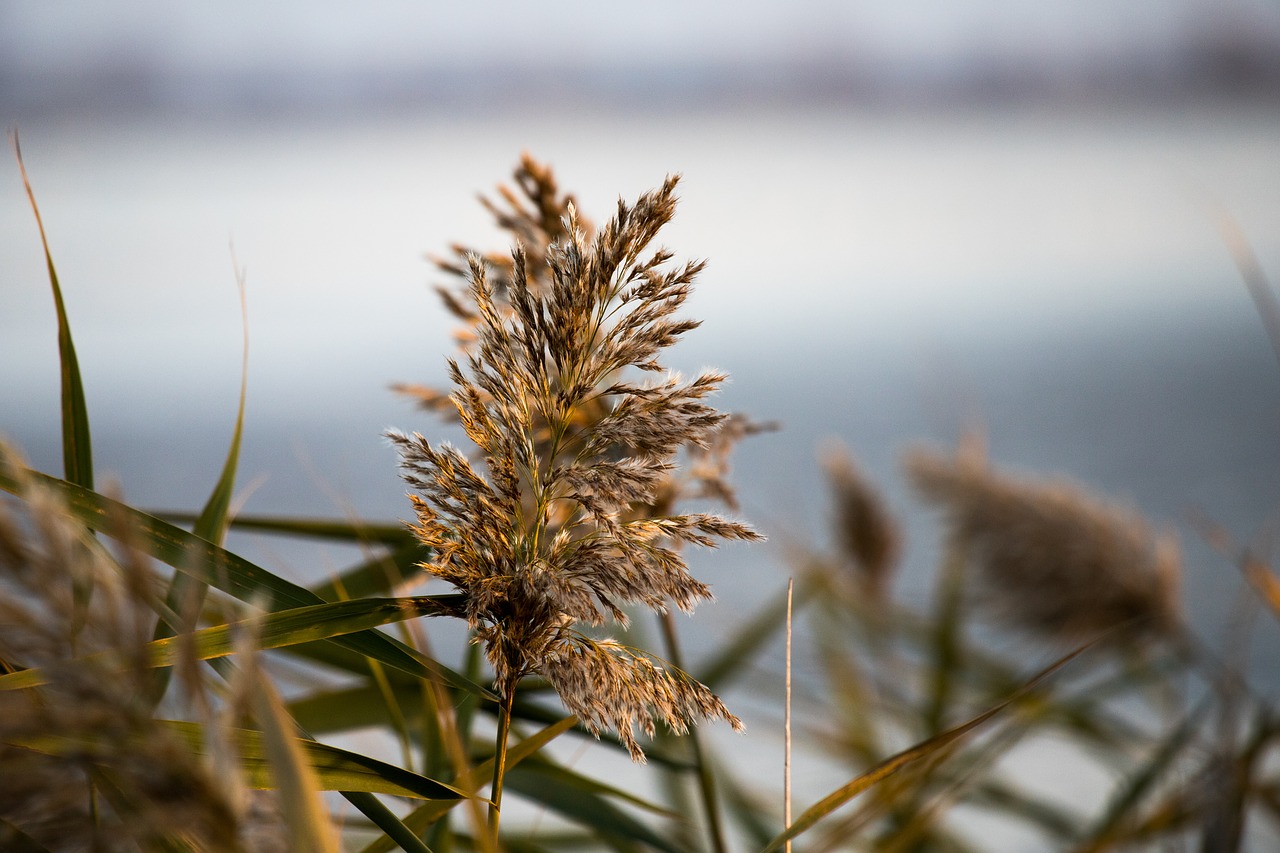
86,765
547,537
1048,557
868,537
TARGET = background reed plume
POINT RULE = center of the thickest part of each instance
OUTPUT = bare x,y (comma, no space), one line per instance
1049,558
547,538
87,765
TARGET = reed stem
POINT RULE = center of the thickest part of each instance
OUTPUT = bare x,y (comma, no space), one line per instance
500,759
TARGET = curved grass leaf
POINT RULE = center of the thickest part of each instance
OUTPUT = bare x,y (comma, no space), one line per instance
336,769
77,452
922,750
425,815
226,571
584,801
186,594
276,630
315,528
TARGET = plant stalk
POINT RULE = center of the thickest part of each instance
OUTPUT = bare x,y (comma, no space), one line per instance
706,780
500,758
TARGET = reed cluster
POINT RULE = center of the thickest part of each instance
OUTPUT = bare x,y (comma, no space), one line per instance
140,707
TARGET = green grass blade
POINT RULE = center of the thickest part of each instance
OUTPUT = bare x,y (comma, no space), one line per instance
1110,827
226,571
583,801
77,452
187,594
922,750
277,630
428,813
383,818
335,769
316,528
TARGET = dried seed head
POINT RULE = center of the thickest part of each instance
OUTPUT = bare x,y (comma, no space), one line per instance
62,597
1049,558
550,529
867,535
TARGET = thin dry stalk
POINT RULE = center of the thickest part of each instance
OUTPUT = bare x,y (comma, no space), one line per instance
786,725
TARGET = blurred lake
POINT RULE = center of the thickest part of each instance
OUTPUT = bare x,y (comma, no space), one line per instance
1052,275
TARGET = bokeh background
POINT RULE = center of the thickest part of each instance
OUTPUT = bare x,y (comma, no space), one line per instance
922,218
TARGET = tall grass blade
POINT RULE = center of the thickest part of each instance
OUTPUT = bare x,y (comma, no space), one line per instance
335,769
318,528
187,594
922,750
77,452
279,629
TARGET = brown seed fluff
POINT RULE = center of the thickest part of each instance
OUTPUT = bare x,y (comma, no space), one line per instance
1050,558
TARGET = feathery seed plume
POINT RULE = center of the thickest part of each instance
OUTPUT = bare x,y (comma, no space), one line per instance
1049,558
544,536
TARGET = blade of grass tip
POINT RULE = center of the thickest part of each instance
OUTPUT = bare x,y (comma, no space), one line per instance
394,830
225,570
1264,298
909,756
77,452
187,594
734,656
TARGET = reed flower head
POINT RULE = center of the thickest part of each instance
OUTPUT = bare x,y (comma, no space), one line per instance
91,727
545,537
1050,558
868,536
